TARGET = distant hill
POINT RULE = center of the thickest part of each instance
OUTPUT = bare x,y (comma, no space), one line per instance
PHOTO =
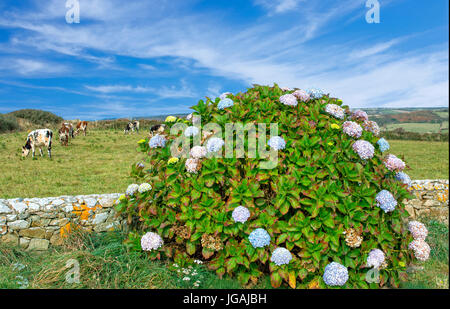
26,119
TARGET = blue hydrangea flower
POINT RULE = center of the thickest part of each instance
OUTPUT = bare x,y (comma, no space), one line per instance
224,103
383,144
259,238
276,142
214,144
335,274
132,189
157,141
375,258
240,214
281,256
315,93
404,178
191,131
386,201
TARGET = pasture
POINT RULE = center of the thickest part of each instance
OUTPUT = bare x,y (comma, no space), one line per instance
101,161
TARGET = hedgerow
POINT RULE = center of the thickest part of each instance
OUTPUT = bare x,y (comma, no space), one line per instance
330,211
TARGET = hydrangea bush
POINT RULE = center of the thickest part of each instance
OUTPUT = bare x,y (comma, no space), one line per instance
325,215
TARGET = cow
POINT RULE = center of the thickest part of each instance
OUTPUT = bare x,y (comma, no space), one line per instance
38,138
81,126
157,129
64,133
131,126
71,130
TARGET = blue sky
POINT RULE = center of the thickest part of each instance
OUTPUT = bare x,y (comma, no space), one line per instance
139,58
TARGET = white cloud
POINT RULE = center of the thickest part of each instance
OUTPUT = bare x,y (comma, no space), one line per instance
278,6
371,74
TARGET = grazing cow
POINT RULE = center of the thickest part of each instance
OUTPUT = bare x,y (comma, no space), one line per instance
81,126
64,133
131,126
71,130
157,129
38,138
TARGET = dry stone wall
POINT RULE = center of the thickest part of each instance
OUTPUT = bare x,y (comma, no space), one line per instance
37,223
430,199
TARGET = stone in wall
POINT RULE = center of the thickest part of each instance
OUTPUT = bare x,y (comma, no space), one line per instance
38,223
430,199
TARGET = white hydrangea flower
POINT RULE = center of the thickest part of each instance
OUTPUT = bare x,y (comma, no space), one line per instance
192,165
144,187
132,189
198,152
151,241
191,131
240,214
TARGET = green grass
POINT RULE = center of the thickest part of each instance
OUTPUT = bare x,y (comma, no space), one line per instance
105,263
97,163
434,273
426,160
100,163
418,127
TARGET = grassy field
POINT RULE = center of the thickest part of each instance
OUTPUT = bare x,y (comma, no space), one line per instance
105,263
100,163
426,160
97,163
419,127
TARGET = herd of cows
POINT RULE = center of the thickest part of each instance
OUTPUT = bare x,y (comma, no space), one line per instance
43,138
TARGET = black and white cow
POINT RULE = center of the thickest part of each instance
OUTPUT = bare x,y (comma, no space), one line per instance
157,129
38,138
132,126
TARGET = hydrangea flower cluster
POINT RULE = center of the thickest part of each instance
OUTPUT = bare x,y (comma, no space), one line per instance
335,126
352,129
301,95
224,95
288,99
285,88
140,165
191,131
173,160
157,141
192,165
281,256
418,230
376,258
386,201
144,187
335,274
315,93
383,144
360,115
404,178
214,144
393,163
335,110
240,214
132,189
171,119
421,249
189,117
372,126
259,238
224,103
277,143
151,241
364,149
198,152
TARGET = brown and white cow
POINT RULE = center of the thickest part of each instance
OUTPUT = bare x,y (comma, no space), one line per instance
64,133
81,126
38,138
71,130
